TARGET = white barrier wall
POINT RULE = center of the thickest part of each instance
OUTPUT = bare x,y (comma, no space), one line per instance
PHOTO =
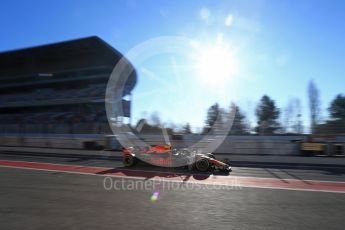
243,145
258,145
265,145
50,142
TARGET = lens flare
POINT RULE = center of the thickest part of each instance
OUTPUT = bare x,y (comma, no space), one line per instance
154,196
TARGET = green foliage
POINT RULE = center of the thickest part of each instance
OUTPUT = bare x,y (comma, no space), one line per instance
187,129
337,107
314,105
213,114
267,115
238,127
336,125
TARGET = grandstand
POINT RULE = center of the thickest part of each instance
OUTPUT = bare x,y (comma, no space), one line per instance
58,88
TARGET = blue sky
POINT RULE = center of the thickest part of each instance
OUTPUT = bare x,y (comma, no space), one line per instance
275,47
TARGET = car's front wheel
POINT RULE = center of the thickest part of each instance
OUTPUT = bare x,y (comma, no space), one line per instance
128,160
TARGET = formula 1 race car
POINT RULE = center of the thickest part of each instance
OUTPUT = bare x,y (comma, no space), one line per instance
164,155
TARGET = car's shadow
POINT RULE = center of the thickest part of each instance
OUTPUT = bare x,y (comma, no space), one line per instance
149,172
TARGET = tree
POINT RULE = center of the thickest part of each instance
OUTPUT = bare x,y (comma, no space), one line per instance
288,114
314,105
337,107
336,123
212,114
187,129
292,116
238,126
297,126
267,114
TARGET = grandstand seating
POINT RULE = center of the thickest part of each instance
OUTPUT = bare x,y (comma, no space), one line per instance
57,88
46,94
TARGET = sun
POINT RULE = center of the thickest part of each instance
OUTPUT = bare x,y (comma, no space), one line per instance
216,64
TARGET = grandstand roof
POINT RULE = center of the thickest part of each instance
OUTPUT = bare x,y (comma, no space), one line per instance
84,53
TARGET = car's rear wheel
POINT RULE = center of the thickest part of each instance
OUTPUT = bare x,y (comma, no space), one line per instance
128,160
202,165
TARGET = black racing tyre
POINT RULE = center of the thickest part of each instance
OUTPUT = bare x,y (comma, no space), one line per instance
202,165
128,160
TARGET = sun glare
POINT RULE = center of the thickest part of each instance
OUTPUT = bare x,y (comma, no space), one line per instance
216,64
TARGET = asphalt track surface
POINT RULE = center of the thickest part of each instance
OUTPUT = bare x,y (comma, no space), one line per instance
39,192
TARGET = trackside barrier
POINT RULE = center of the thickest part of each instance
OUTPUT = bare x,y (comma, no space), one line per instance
54,142
236,145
